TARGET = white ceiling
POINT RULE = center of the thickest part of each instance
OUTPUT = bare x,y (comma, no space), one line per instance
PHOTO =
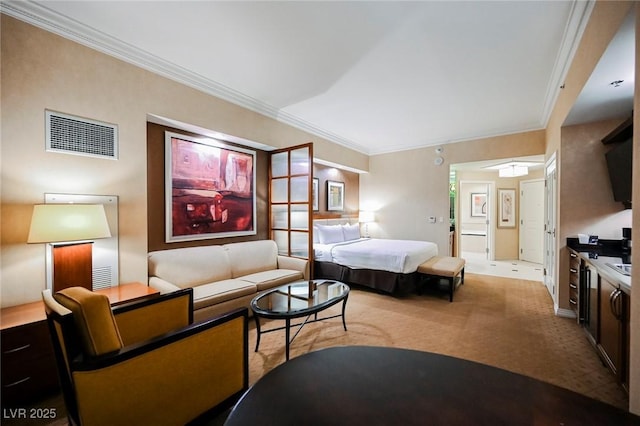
376,76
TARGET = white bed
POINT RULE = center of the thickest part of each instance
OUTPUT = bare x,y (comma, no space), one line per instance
400,256
340,253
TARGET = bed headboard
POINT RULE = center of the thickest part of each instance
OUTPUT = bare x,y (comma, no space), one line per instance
336,221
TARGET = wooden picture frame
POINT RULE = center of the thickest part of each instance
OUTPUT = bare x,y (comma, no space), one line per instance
315,195
209,189
506,208
478,204
335,195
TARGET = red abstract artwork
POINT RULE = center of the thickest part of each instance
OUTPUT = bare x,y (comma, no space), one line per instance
209,189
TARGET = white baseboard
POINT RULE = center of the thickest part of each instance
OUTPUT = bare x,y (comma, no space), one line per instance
564,313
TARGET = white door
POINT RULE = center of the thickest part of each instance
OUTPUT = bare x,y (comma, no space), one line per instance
532,220
551,191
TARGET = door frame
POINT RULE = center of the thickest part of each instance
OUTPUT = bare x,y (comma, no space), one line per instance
550,255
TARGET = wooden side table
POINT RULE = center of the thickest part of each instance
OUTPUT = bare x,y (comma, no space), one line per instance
28,363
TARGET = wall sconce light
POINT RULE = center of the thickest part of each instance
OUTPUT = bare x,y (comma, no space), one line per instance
69,229
366,217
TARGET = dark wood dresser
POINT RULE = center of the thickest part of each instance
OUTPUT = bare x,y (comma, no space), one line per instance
28,364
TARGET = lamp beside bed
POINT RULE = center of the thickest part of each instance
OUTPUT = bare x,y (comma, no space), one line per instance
366,217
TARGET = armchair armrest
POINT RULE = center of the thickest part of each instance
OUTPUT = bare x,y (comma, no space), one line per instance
207,361
295,263
162,285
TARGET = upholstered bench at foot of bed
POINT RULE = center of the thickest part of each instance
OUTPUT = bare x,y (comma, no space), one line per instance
446,267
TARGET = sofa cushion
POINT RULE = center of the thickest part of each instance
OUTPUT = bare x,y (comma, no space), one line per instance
192,266
221,291
251,257
273,278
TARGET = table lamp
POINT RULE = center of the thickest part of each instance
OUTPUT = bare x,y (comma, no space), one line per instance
69,228
366,217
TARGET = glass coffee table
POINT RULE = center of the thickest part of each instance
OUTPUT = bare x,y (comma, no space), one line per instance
297,300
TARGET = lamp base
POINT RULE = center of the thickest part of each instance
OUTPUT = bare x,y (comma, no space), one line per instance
72,266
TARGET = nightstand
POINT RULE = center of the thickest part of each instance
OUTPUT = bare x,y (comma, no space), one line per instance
28,365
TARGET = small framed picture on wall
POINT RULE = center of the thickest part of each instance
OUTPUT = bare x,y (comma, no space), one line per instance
335,195
506,208
478,204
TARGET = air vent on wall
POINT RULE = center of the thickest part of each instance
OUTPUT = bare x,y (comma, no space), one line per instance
81,136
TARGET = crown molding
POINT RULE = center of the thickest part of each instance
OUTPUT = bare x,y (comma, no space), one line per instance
578,19
40,16
49,20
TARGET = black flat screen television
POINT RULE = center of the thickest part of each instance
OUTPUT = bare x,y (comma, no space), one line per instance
620,165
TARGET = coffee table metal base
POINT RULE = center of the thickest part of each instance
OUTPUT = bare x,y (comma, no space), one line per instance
287,327
289,307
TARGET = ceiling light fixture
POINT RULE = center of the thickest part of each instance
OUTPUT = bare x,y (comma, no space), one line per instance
616,83
513,170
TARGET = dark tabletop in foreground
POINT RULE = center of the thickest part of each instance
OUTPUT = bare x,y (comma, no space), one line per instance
384,386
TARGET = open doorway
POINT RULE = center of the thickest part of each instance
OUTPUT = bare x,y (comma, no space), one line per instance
474,218
491,244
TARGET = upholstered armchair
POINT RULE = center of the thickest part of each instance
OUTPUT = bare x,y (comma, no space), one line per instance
145,362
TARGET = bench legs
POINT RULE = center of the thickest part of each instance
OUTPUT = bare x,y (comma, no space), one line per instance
452,284
450,280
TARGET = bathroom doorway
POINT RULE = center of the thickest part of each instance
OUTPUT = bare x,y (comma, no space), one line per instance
475,216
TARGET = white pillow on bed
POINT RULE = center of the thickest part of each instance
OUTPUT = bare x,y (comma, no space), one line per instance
351,232
328,234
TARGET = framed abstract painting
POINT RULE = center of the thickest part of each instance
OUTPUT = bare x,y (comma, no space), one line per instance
209,189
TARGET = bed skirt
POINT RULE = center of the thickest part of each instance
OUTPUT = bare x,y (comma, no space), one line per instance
385,281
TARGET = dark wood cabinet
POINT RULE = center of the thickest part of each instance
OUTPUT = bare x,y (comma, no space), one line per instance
613,343
28,364
603,309
574,285
626,303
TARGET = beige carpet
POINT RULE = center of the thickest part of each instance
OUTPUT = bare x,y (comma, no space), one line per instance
504,322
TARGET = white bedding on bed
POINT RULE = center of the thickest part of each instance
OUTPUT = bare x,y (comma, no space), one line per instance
401,256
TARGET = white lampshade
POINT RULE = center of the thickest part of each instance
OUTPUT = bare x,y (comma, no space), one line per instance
366,217
52,223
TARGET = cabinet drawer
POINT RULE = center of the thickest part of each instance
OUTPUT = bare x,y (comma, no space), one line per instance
35,335
41,379
573,302
28,363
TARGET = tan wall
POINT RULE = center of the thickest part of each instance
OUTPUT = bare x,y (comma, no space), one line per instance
351,182
405,188
43,71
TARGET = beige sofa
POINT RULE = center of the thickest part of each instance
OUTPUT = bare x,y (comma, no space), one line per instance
224,277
